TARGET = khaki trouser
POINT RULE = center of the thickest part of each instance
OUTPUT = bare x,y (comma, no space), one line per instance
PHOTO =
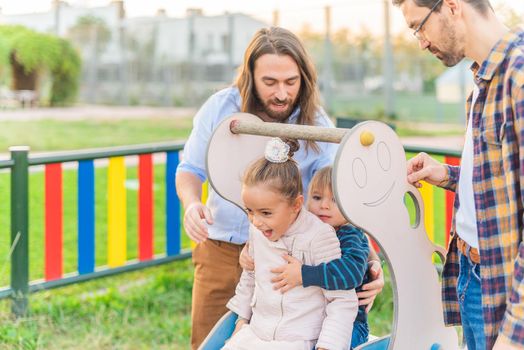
217,273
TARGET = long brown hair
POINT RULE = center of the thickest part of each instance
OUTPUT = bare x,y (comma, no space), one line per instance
280,41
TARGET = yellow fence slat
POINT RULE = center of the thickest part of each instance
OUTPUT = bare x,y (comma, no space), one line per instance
439,200
116,240
428,195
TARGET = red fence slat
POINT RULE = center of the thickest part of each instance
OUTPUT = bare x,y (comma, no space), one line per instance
53,221
146,207
450,198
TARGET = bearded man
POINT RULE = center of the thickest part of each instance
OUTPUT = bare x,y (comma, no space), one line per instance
278,83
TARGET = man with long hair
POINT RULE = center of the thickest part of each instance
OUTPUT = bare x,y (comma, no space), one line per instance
278,83
483,277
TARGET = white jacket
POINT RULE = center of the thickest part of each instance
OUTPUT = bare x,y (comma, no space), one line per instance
301,313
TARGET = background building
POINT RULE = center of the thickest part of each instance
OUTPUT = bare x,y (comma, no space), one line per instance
154,60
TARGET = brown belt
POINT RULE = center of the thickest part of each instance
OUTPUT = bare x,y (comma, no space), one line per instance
463,247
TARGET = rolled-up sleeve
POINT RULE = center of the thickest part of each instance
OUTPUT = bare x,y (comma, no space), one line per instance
454,174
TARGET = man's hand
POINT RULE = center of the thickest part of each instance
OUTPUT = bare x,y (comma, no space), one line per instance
370,290
245,260
423,167
289,276
503,344
196,215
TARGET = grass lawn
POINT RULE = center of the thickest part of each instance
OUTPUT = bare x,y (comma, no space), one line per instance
148,309
54,135
412,108
140,310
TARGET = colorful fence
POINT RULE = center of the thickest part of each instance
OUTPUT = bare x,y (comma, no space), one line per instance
85,163
437,203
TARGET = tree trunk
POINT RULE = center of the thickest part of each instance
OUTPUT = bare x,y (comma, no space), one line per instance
21,79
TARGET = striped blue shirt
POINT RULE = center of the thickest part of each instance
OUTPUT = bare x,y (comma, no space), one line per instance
348,272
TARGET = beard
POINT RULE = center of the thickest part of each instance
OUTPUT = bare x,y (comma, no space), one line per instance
449,59
452,48
278,110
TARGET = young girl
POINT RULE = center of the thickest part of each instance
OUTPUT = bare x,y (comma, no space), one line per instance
348,272
304,317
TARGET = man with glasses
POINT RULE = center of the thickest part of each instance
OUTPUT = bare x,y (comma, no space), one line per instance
483,277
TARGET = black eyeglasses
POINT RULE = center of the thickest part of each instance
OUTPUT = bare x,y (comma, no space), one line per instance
416,33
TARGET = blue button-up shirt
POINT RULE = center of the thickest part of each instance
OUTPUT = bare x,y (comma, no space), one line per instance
230,222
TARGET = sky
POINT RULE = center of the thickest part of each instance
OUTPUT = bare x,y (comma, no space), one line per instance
353,14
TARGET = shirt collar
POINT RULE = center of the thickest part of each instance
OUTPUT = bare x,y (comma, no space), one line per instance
296,226
294,116
497,55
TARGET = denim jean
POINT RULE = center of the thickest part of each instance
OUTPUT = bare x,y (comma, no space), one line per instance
360,334
470,301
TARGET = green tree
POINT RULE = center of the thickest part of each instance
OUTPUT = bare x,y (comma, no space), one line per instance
28,54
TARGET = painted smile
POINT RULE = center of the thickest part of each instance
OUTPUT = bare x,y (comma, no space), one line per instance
381,199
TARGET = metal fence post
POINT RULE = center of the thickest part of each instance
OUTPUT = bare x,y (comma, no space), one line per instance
20,229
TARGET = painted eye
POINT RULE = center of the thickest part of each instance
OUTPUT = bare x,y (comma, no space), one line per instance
360,174
384,156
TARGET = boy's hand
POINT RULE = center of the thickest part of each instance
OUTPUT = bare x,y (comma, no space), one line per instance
370,290
245,260
289,276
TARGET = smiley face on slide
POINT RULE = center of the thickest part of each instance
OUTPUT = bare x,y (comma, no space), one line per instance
370,174
382,163
370,184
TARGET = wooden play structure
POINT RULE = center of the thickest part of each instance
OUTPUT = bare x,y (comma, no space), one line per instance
370,185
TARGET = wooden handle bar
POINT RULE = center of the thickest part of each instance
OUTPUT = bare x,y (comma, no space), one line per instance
294,131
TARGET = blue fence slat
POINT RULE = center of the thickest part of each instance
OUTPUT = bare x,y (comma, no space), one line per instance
86,216
172,206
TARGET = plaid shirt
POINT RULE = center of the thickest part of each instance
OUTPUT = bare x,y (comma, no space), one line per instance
498,186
